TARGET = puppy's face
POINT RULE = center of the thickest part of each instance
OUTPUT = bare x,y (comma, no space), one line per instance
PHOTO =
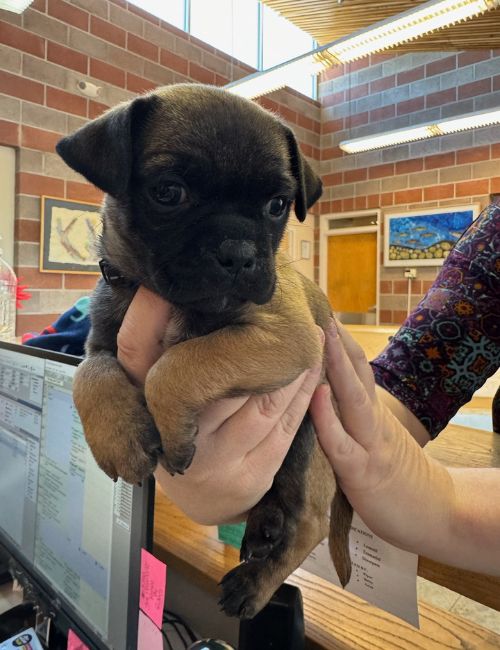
200,184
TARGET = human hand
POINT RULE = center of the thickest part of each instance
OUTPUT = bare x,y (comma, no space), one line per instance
241,442
380,467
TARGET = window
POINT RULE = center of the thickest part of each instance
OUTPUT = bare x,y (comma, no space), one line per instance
245,29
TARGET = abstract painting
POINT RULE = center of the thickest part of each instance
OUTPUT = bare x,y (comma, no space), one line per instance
69,234
425,237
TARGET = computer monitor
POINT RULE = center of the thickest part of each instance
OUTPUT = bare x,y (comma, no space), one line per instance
75,532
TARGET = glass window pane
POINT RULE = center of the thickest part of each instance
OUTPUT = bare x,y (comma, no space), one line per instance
171,11
228,25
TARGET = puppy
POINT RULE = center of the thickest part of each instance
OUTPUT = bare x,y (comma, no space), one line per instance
199,184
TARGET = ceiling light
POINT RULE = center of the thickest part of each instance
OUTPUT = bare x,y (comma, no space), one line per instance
383,35
422,131
16,6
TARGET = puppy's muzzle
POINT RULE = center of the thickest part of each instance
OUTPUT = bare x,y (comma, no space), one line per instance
237,258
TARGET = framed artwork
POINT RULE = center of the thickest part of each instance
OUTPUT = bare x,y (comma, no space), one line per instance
305,249
425,237
69,234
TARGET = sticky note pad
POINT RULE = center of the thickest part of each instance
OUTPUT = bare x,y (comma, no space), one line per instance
232,534
153,584
74,643
149,636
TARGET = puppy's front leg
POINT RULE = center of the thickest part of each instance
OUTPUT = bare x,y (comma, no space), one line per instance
235,360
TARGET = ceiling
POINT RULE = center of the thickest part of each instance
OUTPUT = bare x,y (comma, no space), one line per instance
328,20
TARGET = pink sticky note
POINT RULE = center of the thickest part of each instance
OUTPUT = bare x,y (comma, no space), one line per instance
153,584
149,636
74,643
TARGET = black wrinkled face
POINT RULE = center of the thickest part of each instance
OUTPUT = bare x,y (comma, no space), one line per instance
210,204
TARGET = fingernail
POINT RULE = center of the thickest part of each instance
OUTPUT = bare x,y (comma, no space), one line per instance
321,335
332,329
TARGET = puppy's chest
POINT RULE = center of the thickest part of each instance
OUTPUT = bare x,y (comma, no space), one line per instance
184,325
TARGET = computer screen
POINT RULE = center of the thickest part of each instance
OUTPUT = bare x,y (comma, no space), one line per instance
75,531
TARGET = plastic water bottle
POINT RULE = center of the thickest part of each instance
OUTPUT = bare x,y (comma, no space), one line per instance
8,290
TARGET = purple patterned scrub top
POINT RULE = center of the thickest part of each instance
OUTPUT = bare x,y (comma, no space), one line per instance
450,344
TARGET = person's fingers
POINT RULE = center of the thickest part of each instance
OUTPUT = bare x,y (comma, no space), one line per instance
274,447
346,455
355,406
141,333
358,359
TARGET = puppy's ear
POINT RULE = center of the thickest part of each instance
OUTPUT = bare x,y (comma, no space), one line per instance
309,185
102,149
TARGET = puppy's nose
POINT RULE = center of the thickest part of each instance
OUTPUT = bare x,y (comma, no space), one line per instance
237,255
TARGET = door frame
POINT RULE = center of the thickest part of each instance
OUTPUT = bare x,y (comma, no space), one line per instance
326,231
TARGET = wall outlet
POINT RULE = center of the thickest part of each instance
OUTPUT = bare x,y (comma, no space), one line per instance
411,273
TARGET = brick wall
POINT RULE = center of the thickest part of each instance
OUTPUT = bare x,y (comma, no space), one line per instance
43,54
387,92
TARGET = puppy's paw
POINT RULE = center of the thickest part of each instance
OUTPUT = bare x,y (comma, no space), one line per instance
265,531
242,593
129,449
176,459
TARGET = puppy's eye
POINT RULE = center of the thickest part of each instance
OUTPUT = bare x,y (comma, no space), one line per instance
168,193
277,206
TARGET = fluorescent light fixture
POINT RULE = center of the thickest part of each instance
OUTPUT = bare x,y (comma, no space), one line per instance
422,131
16,6
381,36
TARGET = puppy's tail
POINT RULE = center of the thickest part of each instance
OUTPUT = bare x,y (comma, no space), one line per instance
340,526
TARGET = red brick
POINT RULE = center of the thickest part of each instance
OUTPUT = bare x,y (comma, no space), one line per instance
373,201
9,133
331,126
348,205
37,280
474,89
174,61
472,188
426,285
27,230
38,185
336,206
331,152
306,149
21,39
357,120
287,114
385,286
80,281
107,72
477,154
139,84
67,102
11,84
381,171
440,160
495,185
443,65
96,109
220,80
83,192
385,316
142,47
439,192
332,179
384,113
386,198
472,56
67,57
409,166
324,207
354,175
384,83
495,150
496,82
398,317
411,105
267,103
305,122
107,31
408,76
408,196
33,138
333,73
441,97
34,322
358,91
360,64
198,73
360,203
400,286
68,13
333,99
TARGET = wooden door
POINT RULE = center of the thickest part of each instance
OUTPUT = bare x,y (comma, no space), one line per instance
352,272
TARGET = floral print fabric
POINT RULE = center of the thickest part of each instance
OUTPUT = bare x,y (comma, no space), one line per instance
450,344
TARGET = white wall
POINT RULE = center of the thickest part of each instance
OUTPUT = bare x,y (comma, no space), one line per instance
7,194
